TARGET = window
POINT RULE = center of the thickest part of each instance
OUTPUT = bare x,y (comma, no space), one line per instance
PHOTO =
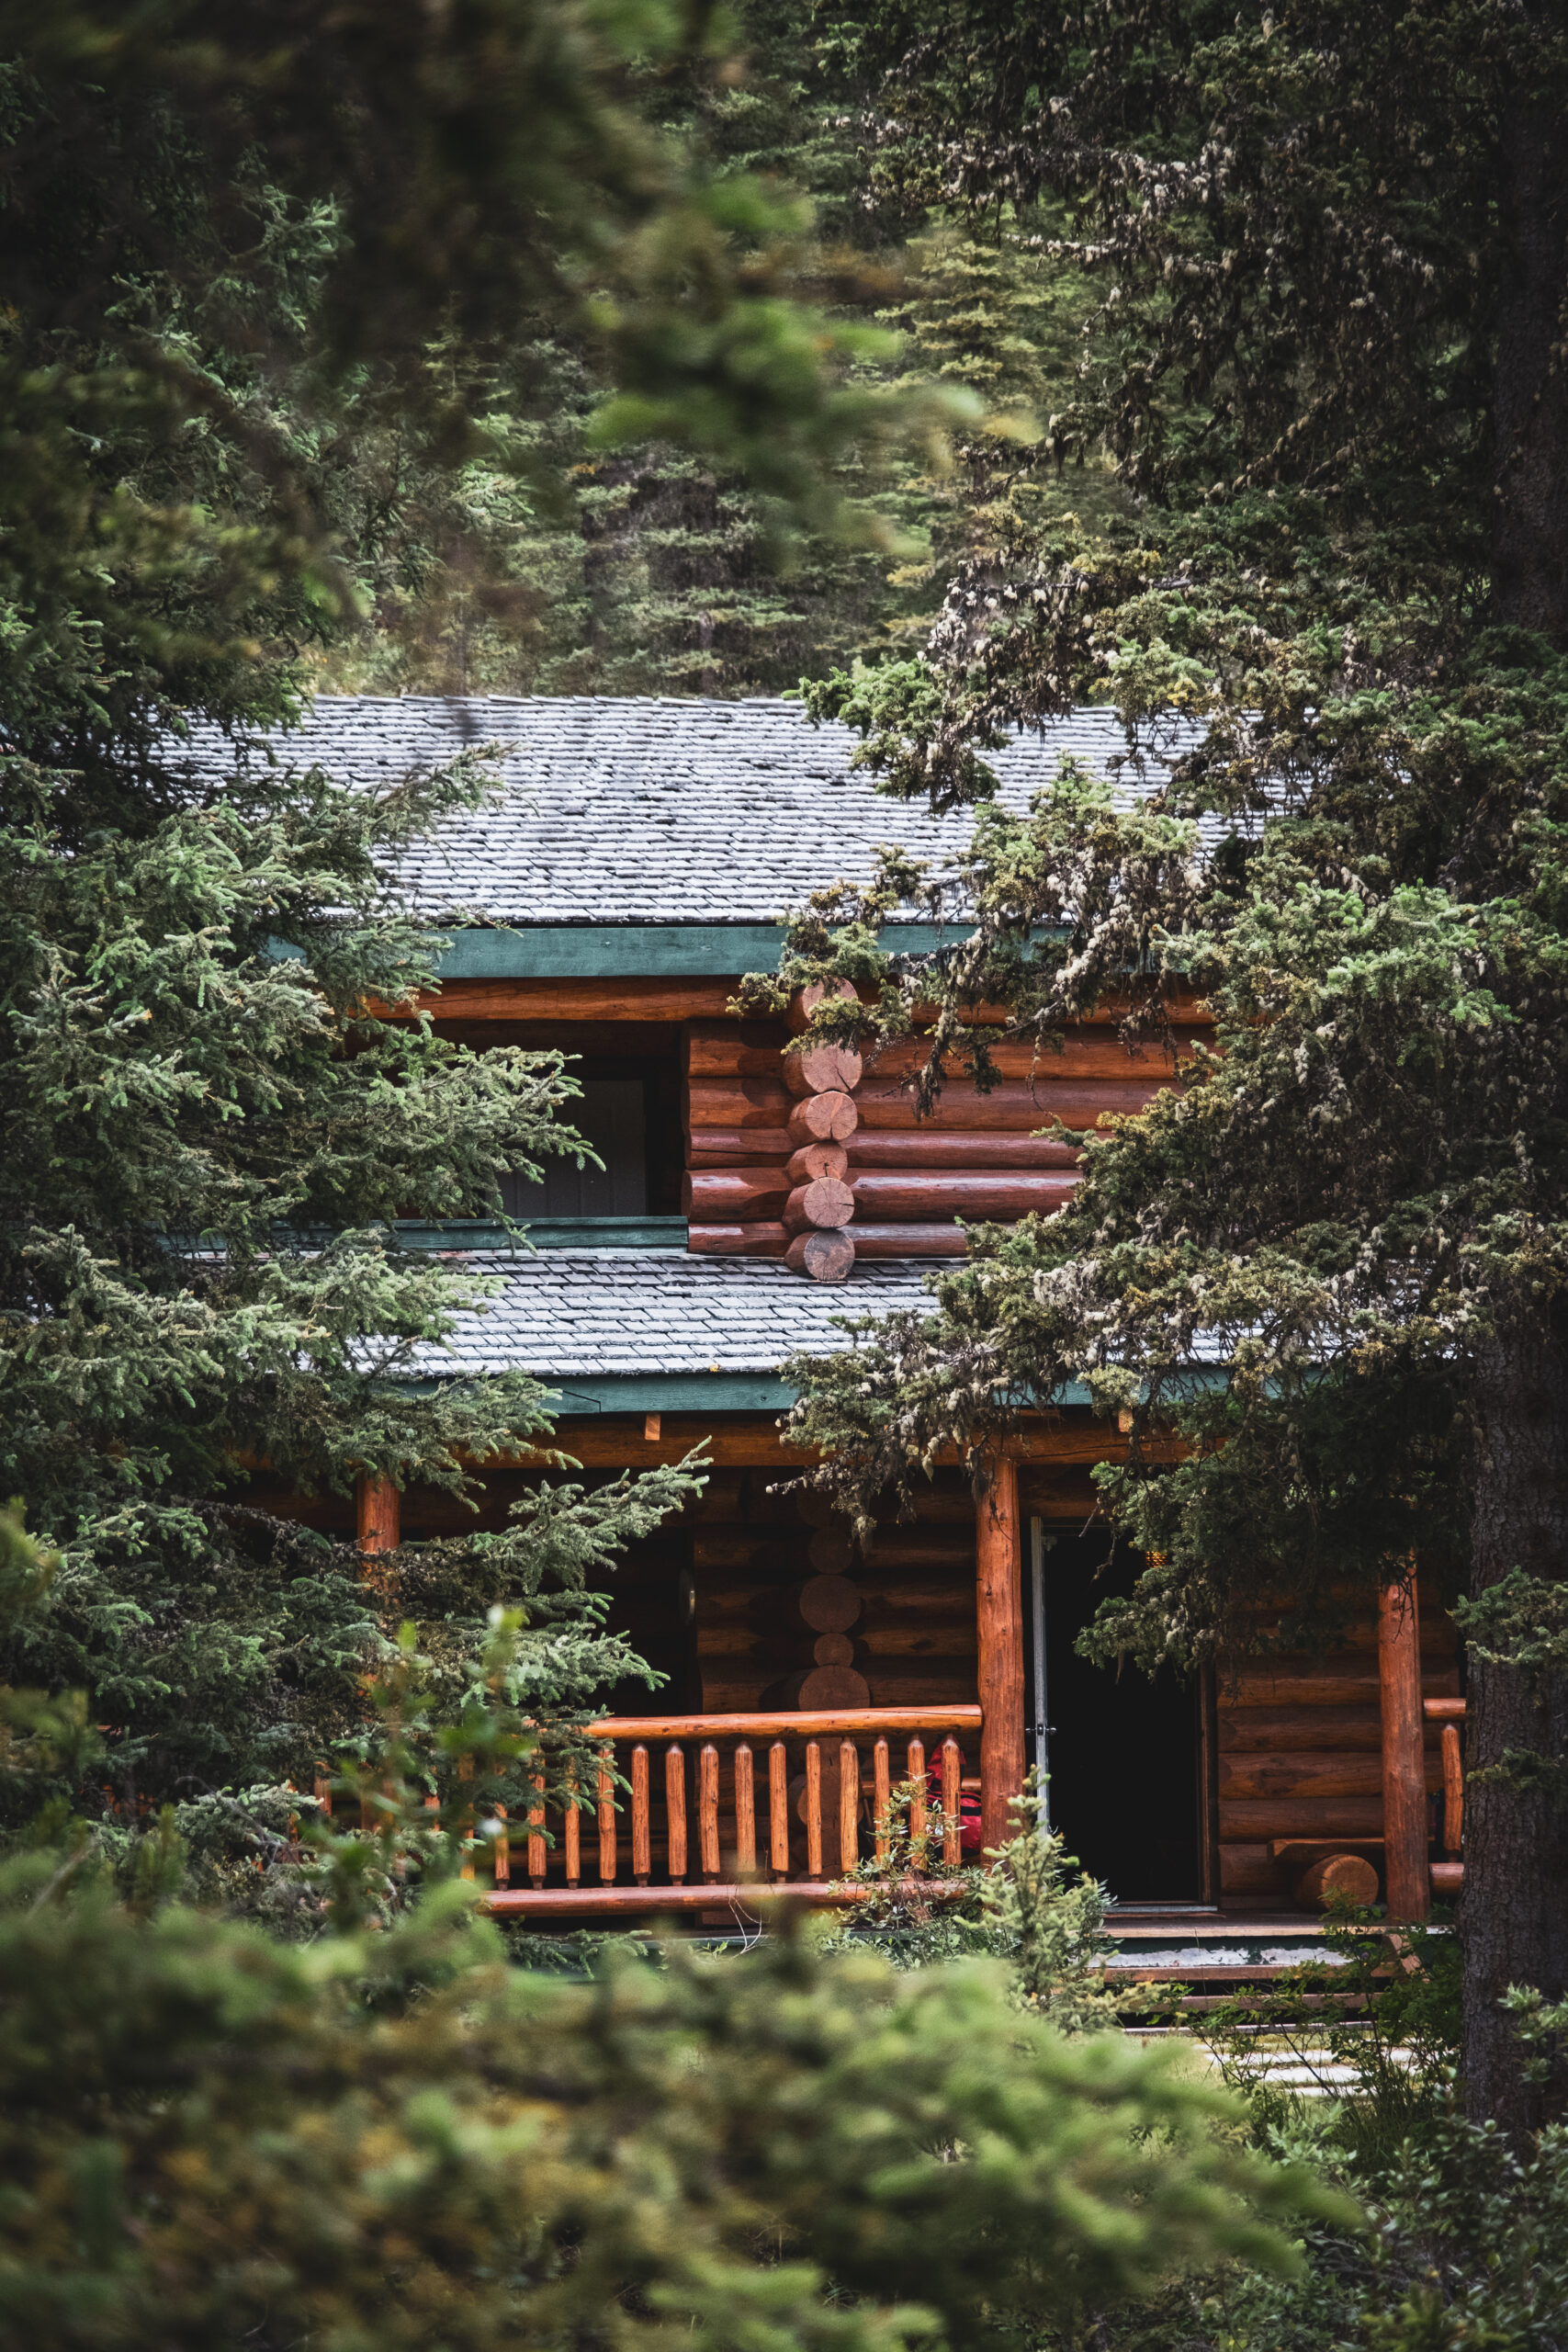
629,1111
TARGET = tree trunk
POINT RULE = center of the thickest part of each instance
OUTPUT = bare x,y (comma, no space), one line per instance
1514,1912
1529,530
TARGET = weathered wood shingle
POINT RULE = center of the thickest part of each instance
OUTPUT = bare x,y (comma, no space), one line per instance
627,810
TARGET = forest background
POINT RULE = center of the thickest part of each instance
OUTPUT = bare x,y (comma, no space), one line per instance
572,568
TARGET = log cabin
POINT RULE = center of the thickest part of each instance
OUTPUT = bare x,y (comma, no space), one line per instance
635,867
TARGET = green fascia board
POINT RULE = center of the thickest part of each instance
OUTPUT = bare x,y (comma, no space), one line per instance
579,1395
648,950
545,1233
696,1392
670,1392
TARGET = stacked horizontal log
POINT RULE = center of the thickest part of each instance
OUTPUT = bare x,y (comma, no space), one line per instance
768,1130
912,1635
1300,1760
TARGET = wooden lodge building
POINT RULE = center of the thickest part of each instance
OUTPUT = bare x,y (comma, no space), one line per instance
636,868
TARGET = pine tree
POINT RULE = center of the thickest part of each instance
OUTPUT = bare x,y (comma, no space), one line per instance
260,269
1333,244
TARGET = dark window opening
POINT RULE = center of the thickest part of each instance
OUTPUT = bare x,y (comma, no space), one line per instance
629,1111
1124,1752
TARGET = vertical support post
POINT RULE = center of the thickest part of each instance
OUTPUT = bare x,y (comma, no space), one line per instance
1039,1544
379,1514
882,1797
1408,1880
999,1625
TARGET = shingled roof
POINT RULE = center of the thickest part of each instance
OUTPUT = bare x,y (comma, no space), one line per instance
653,811
587,1313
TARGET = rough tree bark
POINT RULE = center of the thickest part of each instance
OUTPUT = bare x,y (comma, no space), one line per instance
1515,1861
1516,1839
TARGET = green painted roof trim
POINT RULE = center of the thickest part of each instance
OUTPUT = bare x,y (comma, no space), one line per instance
724,1391
670,1392
648,950
574,1396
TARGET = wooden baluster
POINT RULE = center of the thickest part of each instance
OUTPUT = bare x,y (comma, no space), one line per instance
1454,1790
321,1788
642,1835
778,1810
745,1814
675,1809
848,1805
535,1824
573,1826
707,1809
882,1797
607,1861
917,1803
952,1832
500,1851
813,1809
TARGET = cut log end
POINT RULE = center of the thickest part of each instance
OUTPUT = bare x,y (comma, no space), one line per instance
1343,1878
818,1069
825,1202
826,1257
815,1159
804,1001
823,1118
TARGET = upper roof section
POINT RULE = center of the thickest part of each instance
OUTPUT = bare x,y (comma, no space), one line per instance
656,811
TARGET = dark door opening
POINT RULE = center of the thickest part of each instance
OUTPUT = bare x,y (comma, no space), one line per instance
1124,1752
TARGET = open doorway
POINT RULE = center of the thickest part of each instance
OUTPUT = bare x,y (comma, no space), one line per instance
1123,1754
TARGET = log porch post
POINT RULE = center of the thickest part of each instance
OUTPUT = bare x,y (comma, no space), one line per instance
998,1624
1407,1878
379,1514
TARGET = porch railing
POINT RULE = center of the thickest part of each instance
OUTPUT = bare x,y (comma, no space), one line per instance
714,1807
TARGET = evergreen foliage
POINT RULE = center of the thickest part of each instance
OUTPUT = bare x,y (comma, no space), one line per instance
215,2137
215,2140
1332,245
259,267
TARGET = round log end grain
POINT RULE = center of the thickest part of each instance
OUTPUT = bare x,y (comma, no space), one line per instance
816,1509
833,1649
831,1549
818,1069
829,1605
815,1159
823,1118
1344,1877
826,1257
834,1686
804,1001
823,1203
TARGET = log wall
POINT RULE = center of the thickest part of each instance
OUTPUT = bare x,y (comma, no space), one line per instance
914,1639
1300,1754
978,1157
